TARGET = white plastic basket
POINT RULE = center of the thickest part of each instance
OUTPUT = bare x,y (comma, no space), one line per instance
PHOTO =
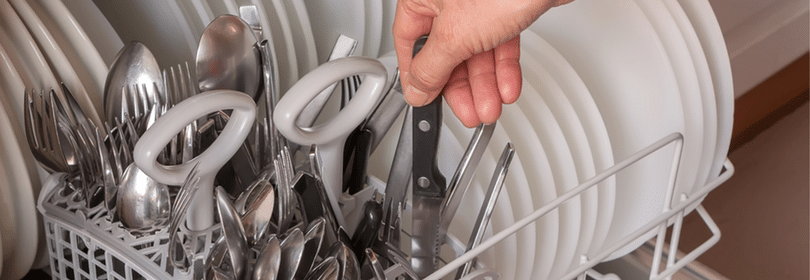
84,244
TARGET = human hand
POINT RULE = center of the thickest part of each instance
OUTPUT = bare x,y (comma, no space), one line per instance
472,55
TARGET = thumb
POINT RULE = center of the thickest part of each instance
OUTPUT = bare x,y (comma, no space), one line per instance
428,72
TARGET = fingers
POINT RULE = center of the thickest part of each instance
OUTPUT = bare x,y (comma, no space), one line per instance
484,83
458,95
409,25
507,70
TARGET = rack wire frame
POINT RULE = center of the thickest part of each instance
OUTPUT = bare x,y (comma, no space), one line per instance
671,211
73,234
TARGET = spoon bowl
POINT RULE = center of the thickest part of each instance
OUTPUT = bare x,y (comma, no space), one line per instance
227,57
134,65
143,204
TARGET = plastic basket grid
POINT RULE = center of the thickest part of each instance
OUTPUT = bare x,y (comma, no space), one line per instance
84,244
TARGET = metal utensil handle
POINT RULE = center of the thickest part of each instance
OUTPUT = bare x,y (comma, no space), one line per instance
484,215
173,122
464,173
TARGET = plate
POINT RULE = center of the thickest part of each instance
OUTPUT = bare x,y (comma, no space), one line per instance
387,38
537,171
11,83
79,41
90,103
591,120
700,134
638,98
302,33
27,232
283,42
515,187
159,25
467,212
8,221
706,88
98,29
374,27
577,140
195,17
705,25
333,18
562,163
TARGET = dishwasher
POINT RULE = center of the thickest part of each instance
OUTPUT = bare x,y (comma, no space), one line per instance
622,129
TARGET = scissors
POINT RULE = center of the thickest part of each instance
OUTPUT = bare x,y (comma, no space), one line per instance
330,136
211,160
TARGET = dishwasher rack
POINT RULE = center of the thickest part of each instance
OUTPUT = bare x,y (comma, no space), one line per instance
84,244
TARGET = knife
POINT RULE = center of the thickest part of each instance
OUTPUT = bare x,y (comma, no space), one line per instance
429,184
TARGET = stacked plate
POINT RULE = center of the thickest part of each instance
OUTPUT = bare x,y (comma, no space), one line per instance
602,80
42,45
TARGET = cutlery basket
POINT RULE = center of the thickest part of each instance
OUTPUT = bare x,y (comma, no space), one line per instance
84,244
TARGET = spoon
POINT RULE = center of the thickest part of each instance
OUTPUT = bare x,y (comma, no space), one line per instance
134,64
269,261
234,233
258,210
215,257
143,204
313,241
348,266
326,270
227,57
292,248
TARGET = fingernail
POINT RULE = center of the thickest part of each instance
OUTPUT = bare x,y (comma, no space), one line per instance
415,97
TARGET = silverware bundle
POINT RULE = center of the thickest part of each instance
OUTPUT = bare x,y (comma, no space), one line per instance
277,215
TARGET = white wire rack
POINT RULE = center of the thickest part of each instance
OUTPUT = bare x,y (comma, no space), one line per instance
671,211
83,244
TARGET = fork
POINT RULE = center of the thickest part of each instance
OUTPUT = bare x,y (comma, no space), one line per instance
40,131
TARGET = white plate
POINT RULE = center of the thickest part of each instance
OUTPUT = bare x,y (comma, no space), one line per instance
559,155
541,181
705,24
8,221
11,83
8,234
591,121
700,134
277,11
515,188
302,33
706,88
73,57
159,25
577,140
194,13
79,40
374,27
616,52
27,232
89,102
333,18
98,29
387,38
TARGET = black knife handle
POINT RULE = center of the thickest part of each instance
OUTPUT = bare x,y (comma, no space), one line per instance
427,123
